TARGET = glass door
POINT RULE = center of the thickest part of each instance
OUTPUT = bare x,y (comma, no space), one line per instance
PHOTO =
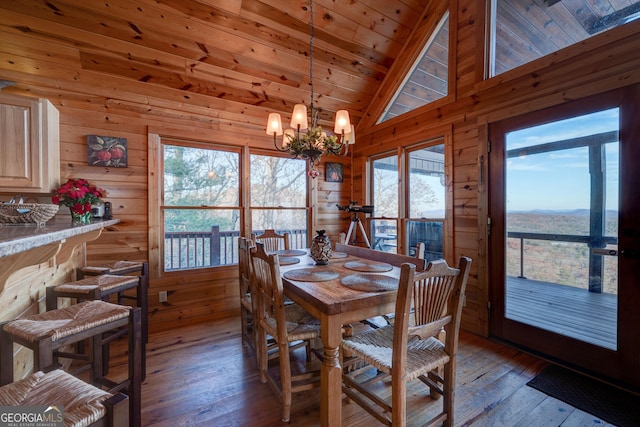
557,203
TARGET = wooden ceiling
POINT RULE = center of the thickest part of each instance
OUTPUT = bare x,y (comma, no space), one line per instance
234,61
246,57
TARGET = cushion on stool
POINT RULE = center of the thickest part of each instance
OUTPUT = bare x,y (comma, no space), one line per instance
66,321
105,282
81,401
114,268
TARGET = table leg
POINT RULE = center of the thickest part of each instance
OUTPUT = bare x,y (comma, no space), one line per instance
331,374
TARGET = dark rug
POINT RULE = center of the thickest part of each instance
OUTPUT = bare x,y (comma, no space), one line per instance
606,402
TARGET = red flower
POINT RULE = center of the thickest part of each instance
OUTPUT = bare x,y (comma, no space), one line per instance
77,194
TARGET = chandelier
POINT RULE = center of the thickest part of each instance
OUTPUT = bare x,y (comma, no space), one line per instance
311,142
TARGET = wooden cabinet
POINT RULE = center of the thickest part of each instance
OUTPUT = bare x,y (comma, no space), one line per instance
29,145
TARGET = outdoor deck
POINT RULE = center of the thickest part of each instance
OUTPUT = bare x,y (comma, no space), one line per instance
573,312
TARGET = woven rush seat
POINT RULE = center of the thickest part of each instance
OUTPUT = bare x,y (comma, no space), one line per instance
94,287
84,404
48,334
66,322
118,267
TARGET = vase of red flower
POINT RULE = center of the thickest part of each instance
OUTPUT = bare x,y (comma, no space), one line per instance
78,195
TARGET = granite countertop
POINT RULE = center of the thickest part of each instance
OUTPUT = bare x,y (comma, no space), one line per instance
22,237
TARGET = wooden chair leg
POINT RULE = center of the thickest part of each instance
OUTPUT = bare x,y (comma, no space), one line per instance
117,410
135,367
285,380
6,357
263,359
51,299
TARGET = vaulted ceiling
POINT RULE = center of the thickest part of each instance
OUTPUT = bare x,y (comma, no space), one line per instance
238,60
248,57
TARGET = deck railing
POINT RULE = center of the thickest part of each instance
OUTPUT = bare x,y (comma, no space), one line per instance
594,256
199,249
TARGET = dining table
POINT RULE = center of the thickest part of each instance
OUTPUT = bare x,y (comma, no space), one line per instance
346,290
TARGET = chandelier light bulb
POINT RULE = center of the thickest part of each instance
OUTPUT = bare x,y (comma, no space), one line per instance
343,124
274,125
299,117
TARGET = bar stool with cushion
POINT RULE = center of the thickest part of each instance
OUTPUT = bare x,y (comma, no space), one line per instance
82,403
48,334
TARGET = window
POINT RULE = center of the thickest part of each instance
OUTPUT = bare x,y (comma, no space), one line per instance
205,206
428,80
200,206
279,196
420,216
425,200
524,31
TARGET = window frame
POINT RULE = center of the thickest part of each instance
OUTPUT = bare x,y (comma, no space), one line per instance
444,138
155,198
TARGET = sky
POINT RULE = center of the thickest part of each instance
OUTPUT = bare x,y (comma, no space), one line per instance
560,180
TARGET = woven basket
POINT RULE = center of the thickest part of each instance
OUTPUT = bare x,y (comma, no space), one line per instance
27,213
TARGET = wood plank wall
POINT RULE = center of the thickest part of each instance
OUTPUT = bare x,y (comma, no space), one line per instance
596,65
22,293
90,104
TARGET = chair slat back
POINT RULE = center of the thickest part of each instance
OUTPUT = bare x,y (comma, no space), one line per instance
244,265
436,297
375,255
273,241
269,290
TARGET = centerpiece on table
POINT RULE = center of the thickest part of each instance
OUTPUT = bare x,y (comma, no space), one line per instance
321,248
78,194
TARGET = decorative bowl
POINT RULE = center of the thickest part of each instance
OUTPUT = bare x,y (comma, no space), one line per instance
27,213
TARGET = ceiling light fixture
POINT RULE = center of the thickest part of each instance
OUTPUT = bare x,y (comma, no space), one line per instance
314,143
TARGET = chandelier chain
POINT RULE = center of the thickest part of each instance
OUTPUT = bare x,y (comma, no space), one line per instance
311,37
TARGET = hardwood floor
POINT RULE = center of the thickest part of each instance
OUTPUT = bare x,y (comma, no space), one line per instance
202,376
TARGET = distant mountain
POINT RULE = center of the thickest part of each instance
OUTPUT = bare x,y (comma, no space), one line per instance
562,212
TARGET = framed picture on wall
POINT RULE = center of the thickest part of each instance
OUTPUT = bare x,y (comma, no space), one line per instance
107,151
333,172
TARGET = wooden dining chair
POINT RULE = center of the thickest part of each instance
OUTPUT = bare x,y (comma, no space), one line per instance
285,323
272,241
420,344
247,305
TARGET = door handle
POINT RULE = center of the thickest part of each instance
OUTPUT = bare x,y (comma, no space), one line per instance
609,252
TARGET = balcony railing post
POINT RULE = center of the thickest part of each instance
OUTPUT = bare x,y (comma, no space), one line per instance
214,245
521,276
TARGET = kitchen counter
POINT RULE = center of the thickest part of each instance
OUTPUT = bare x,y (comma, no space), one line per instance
19,238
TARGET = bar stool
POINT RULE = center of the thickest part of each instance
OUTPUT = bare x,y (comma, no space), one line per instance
84,404
47,333
101,283
121,268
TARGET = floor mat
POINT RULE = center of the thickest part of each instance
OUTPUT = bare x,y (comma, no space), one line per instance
606,402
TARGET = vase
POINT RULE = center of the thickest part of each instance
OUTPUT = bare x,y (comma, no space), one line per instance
321,248
80,218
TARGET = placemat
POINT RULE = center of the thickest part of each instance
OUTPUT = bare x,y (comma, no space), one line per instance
370,282
290,252
337,255
368,266
288,260
312,274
